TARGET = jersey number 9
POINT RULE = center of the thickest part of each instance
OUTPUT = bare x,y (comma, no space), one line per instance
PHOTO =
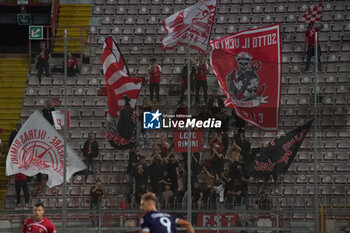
166,222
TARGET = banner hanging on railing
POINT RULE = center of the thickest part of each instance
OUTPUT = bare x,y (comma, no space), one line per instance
58,119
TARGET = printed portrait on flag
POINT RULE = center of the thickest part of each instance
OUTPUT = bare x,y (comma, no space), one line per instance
248,67
192,25
122,92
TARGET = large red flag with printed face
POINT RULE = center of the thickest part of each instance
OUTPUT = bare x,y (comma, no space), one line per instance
248,67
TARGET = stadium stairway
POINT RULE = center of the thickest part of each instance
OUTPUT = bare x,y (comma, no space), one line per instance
13,77
76,18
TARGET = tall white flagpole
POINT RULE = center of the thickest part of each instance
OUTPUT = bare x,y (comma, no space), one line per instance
189,187
64,207
316,215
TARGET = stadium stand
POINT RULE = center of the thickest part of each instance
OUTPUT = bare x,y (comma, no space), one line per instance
137,27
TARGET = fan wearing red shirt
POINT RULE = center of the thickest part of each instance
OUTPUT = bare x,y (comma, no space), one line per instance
310,41
38,223
21,183
202,70
154,72
72,65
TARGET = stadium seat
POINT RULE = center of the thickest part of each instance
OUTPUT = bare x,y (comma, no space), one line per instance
340,179
328,167
289,179
122,156
116,179
327,180
106,167
304,167
302,191
119,167
108,157
298,216
76,191
342,167
90,180
339,190
302,179
289,191
98,10
287,203
299,203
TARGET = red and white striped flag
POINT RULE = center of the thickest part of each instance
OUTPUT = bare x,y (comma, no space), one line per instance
192,25
122,92
313,14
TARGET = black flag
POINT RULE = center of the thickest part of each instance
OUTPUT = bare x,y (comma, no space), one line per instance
278,154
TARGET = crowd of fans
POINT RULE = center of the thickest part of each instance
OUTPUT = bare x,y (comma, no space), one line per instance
220,179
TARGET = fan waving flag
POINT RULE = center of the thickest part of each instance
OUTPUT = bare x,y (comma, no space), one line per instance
313,14
247,65
38,148
277,155
192,25
122,92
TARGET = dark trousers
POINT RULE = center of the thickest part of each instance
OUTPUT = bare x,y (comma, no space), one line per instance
311,53
71,72
204,86
24,186
41,65
89,164
182,93
156,188
95,208
154,87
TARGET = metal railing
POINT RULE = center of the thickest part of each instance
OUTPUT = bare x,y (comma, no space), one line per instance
206,220
51,37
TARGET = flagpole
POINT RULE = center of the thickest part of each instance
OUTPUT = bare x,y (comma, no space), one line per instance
316,215
189,190
64,209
